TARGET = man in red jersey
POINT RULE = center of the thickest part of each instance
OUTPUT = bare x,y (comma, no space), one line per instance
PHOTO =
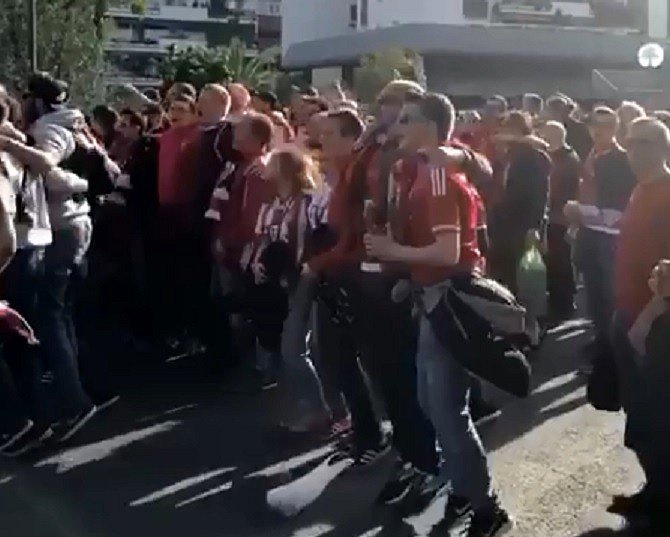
441,242
644,241
237,197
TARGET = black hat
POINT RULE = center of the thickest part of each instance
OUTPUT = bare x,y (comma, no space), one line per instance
50,90
269,98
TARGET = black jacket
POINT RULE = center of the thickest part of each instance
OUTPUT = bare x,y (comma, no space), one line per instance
524,203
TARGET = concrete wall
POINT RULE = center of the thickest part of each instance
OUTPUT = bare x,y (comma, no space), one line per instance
325,76
482,77
306,20
659,18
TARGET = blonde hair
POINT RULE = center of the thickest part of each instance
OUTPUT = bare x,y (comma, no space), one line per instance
298,167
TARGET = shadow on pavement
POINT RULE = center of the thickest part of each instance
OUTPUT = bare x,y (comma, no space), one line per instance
209,471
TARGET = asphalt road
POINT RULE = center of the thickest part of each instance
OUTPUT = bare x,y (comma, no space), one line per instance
179,456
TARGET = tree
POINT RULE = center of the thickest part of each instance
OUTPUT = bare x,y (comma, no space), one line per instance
378,69
70,36
200,66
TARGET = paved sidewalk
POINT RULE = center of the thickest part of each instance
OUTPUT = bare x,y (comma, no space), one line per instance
181,458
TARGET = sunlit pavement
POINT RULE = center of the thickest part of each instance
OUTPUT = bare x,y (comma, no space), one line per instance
181,457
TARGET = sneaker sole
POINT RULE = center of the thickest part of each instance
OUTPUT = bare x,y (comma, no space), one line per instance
109,403
31,446
399,497
17,437
79,425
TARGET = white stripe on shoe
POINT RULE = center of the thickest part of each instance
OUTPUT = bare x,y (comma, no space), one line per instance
78,425
14,439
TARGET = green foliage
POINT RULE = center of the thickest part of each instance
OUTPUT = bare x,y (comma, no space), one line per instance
378,69
201,66
138,7
70,37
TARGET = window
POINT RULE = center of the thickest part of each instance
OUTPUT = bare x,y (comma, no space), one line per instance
353,16
476,9
364,13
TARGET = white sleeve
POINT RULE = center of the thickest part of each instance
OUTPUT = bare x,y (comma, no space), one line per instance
54,139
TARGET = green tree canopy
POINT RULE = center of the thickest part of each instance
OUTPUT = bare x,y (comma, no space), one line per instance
378,69
70,35
200,66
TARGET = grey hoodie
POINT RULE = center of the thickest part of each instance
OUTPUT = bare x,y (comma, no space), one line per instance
53,133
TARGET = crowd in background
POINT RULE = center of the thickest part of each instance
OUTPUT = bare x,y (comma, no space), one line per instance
337,257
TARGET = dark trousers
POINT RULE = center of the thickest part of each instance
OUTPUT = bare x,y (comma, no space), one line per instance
267,309
387,337
384,336
22,392
594,257
339,359
560,272
64,272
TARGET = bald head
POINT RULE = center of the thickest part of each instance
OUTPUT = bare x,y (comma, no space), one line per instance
648,146
554,134
213,103
240,98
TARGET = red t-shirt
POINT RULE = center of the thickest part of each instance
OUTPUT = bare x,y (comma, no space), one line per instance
236,201
644,240
437,201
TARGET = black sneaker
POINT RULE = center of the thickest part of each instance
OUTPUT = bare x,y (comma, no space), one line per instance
399,486
635,504
368,457
456,510
106,402
8,440
424,488
33,439
484,412
490,521
72,426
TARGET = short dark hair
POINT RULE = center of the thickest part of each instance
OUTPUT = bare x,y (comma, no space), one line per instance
320,103
535,100
105,115
499,100
351,125
267,97
134,118
439,109
184,89
261,127
520,121
153,94
152,109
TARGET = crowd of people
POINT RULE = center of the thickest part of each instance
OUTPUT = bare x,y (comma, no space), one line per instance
338,258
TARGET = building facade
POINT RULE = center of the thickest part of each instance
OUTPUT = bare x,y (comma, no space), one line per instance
139,41
476,47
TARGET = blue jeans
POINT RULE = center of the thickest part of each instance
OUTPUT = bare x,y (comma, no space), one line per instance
300,382
444,396
65,267
594,256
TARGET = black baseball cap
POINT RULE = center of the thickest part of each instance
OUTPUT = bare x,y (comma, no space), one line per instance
52,91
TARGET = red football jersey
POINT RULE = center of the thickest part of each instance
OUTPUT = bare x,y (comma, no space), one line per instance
436,200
